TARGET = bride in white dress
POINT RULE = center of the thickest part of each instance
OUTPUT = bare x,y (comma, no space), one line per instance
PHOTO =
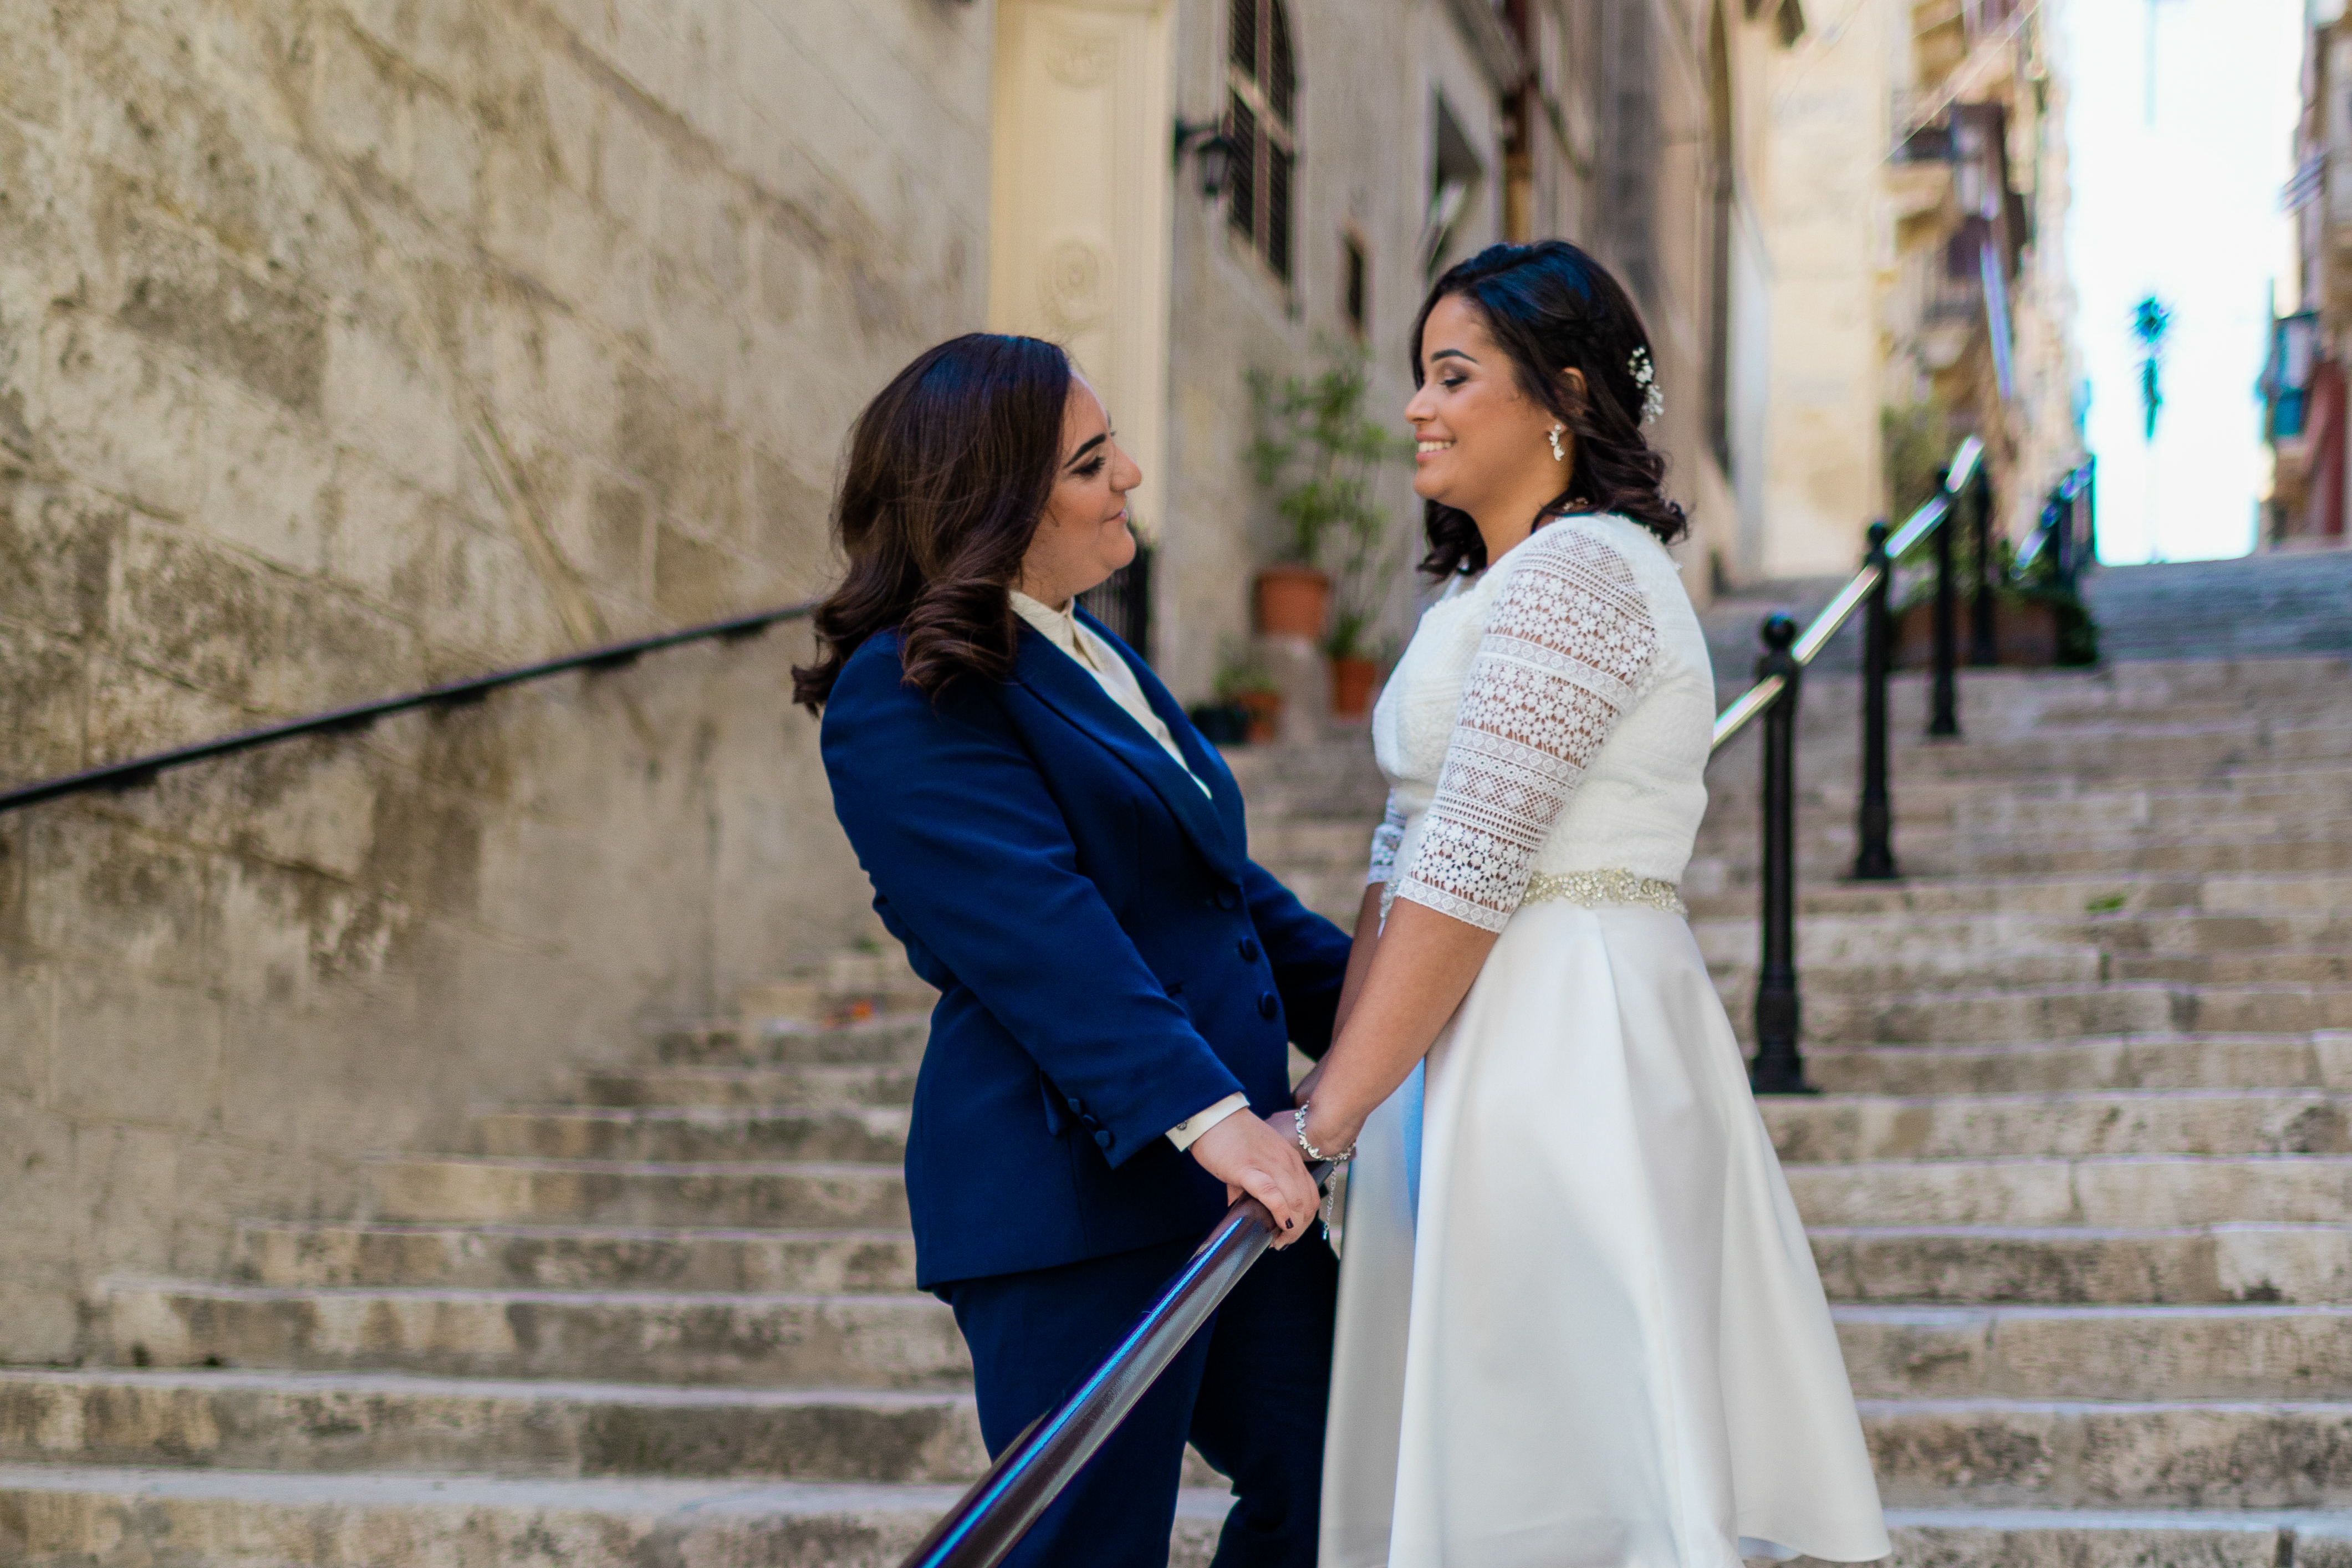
1579,1322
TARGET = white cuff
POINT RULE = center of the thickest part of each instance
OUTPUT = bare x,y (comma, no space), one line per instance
1182,1134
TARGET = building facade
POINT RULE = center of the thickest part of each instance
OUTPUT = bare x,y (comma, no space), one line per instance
348,349
2302,381
1915,218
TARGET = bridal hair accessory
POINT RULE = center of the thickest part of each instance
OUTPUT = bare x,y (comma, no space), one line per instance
1553,436
1646,376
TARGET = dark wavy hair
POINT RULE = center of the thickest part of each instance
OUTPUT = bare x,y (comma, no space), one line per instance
1551,307
949,471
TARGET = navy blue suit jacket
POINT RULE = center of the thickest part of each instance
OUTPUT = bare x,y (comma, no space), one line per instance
1109,960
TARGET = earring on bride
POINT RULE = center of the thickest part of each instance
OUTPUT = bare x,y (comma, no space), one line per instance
1553,436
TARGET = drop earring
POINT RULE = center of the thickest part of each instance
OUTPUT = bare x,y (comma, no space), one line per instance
1553,436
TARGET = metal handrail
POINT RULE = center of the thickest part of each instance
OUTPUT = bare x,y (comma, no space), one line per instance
1849,599
991,1517
142,769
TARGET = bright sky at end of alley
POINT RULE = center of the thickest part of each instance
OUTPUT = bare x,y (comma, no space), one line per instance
2186,208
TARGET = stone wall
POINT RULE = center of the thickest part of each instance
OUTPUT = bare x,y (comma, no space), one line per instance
350,346
1368,81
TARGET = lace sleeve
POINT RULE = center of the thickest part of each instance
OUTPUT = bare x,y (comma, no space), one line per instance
1566,651
1385,839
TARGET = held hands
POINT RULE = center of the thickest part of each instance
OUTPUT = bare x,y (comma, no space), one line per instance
1255,1157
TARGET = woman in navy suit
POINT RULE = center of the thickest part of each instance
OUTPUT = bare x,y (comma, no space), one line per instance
1065,859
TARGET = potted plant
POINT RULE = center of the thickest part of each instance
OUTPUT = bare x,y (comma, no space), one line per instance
2039,621
1354,671
1248,709
1315,450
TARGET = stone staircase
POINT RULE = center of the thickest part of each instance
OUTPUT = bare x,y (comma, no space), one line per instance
669,1320
2081,1188
2080,1184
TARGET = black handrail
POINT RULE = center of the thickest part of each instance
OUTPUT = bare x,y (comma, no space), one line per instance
139,770
2067,523
1779,1066
990,1519
1823,626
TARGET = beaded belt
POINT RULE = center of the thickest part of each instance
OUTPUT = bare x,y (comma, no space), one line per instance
1590,888
1594,888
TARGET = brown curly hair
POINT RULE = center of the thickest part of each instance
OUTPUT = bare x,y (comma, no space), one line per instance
948,472
1551,307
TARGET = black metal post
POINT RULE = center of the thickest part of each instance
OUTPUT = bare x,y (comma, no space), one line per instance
1779,1068
2088,554
2077,500
1875,860
1945,717
1984,652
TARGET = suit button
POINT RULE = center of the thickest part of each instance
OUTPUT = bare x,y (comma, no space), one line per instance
1268,1005
1228,899
1103,1140
1249,949
1075,1106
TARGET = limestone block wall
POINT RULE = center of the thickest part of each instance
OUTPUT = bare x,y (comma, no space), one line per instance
349,345
1368,81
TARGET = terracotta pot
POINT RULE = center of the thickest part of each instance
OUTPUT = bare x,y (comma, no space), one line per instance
1264,710
1351,686
1292,602
2024,636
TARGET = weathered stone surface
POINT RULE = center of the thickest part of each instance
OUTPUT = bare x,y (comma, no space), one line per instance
794,1196
349,347
2083,1264
50,1520
574,1257
317,1422
901,1340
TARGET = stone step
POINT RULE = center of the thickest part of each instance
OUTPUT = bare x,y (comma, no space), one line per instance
1963,970
2151,752
1919,775
1984,821
458,1189
1834,1128
2062,1011
2110,1454
1958,967
667,1134
571,1258
2300,851
887,1038
63,1518
812,1088
2082,1538
2154,1191
2072,896
2156,1060
1912,965
741,1340
1949,944
72,1517
1928,1453
2115,1352
2081,1265
317,1422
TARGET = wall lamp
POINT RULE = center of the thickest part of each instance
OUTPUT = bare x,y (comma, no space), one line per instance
1212,149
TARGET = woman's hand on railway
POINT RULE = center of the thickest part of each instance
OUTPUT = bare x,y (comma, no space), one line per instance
1252,1156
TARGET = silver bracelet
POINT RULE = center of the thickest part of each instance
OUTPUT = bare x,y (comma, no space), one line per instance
1313,1155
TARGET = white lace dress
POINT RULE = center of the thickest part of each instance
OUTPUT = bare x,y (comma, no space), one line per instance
1579,1322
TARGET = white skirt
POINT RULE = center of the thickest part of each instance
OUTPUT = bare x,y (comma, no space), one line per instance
1595,1335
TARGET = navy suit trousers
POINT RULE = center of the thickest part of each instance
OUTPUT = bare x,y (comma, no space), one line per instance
1249,1392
